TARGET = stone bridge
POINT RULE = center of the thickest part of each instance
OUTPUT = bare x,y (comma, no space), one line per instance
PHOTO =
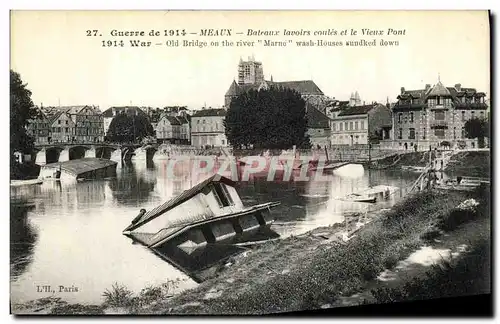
60,152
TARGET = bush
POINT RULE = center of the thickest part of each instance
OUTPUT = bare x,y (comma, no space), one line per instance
118,296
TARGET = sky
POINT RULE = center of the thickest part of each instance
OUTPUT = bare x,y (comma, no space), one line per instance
63,66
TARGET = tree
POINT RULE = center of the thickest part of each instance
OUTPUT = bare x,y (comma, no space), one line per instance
272,118
129,128
21,111
477,128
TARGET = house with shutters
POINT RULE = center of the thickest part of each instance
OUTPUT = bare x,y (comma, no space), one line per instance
426,118
207,128
173,129
355,125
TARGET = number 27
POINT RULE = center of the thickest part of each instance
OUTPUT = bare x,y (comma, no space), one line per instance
92,32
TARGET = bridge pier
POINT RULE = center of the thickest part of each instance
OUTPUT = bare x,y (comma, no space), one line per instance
41,157
140,154
116,155
90,153
64,155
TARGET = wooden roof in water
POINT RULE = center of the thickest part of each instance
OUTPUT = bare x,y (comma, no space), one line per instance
81,166
183,197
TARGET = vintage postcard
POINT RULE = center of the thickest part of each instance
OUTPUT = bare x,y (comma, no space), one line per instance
248,162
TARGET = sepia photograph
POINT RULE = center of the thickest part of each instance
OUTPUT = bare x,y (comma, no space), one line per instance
171,162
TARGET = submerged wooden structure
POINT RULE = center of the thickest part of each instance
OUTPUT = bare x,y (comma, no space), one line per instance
86,168
207,215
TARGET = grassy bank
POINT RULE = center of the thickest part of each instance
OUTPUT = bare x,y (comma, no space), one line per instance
406,159
470,164
310,271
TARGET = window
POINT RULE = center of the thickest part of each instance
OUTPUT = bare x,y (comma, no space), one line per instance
59,122
412,133
400,133
424,133
350,126
356,125
222,195
67,129
59,129
399,117
333,127
198,121
472,114
463,132
463,115
439,115
345,125
439,132
340,126
411,117
362,124
447,101
431,102
223,142
454,132
203,121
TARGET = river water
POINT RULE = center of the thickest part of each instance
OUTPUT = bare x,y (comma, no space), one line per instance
71,234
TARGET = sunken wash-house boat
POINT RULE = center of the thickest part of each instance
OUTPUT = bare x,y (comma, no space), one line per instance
210,212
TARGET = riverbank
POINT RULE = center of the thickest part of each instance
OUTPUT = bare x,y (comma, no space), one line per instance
470,164
314,270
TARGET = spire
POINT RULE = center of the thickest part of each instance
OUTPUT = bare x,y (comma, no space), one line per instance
439,77
271,78
241,60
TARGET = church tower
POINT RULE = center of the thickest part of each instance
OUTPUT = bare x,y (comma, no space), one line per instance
250,72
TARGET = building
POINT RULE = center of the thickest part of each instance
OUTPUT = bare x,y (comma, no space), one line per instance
355,100
252,78
250,72
39,128
318,128
74,124
357,124
173,130
62,127
111,112
207,128
426,118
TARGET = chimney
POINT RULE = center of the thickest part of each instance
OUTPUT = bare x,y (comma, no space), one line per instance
427,87
402,90
458,86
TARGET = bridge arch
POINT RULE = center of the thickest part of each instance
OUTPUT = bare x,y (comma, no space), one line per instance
104,152
150,152
78,152
53,153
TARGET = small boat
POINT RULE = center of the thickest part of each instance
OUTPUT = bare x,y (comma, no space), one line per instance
359,198
16,183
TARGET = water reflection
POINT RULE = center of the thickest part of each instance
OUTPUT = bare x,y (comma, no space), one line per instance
22,238
72,233
133,184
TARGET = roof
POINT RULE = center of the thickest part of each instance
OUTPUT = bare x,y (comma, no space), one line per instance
109,112
80,166
209,112
183,197
316,119
173,120
304,87
357,110
338,105
439,90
